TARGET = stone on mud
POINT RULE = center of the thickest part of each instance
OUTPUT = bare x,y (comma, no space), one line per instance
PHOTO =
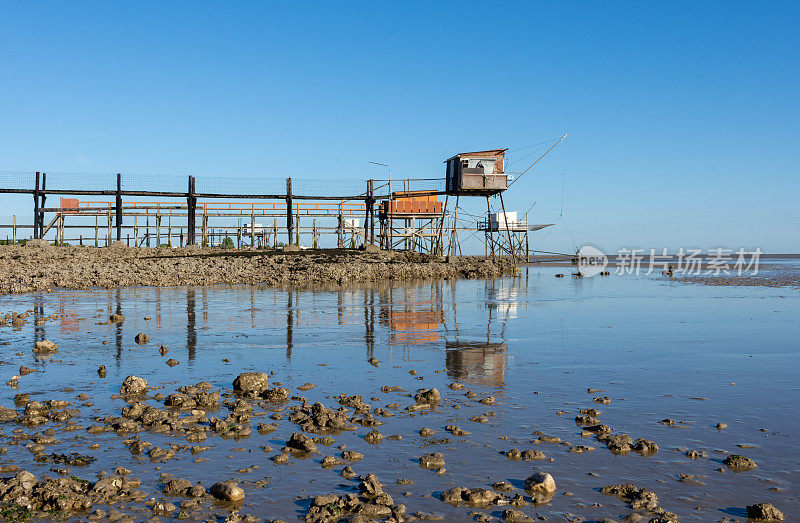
133,385
227,491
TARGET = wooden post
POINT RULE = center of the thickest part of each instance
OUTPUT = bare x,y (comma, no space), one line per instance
252,225
366,216
108,237
508,229
314,241
169,230
42,200
191,204
119,207
454,234
274,233
340,229
204,230
36,207
14,229
289,210
135,232
239,234
297,227
96,231
488,235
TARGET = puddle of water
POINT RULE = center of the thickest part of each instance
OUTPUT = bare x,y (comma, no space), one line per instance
696,354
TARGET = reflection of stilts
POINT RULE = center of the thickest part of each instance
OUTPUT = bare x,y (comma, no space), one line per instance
118,332
369,321
289,326
191,331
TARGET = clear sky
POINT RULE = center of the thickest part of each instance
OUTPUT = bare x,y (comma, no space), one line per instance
683,117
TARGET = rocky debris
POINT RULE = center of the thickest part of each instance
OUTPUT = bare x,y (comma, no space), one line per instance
645,447
639,499
45,347
172,362
431,461
352,455
159,455
133,385
227,491
540,482
605,400
306,386
373,437
176,487
425,432
101,371
515,516
616,443
764,512
7,414
142,338
738,463
428,397
456,431
374,362
25,270
370,485
24,494
301,442
353,507
163,350
580,449
474,497
251,384
696,454
163,508
722,426
24,371
116,318
317,418
527,455
74,459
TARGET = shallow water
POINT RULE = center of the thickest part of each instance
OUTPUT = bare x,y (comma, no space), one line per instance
659,349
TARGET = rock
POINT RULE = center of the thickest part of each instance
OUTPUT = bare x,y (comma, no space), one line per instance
374,362
432,460
227,491
251,383
474,497
300,441
514,516
45,347
645,447
721,426
101,371
540,482
764,511
370,485
37,243
133,385
176,487
142,338
163,508
116,318
738,463
163,350
428,397
172,362
24,371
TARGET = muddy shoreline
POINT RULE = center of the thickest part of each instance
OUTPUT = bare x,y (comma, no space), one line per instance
30,268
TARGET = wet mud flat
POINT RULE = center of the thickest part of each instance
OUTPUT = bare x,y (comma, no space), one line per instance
39,266
769,275
509,398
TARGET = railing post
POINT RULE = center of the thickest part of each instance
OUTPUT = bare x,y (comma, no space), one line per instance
36,207
191,205
119,207
289,225
42,200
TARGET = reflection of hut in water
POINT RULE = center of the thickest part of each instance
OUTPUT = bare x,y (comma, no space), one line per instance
480,363
416,326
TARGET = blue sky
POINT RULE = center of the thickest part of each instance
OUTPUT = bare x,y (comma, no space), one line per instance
683,118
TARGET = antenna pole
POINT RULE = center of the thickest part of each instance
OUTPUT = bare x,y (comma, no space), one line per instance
537,161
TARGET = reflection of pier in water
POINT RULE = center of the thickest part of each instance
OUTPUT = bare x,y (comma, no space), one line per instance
479,363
